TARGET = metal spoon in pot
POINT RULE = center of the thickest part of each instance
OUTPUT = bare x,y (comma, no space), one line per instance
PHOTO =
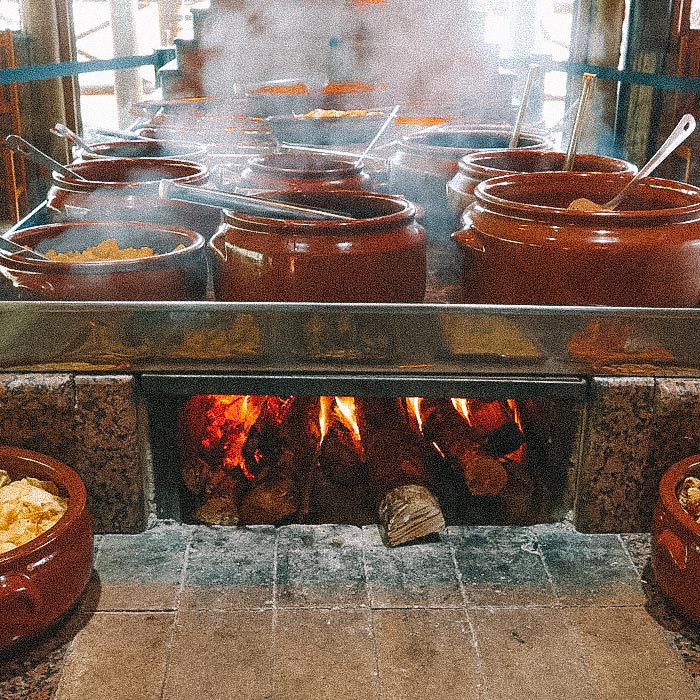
8,246
586,90
245,203
24,148
529,82
64,132
684,128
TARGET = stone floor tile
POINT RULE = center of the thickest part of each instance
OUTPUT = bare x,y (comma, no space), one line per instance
229,568
221,655
627,655
425,653
638,546
144,571
415,575
500,566
118,656
528,654
320,566
324,655
590,569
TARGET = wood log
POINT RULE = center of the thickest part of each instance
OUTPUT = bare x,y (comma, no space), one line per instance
398,475
339,459
218,510
269,501
518,495
493,425
484,475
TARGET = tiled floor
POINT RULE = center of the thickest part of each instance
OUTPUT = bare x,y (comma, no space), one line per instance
307,612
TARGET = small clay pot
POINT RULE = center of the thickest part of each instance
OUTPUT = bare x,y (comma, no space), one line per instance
521,244
170,274
379,257
675,542
170,149
483,165
41,580
303,172
126,189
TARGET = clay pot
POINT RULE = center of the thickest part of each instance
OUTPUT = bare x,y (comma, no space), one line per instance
521,245
42,579
675,542
172,150
380,257
420,169
483,165
302,172
170,274
126,189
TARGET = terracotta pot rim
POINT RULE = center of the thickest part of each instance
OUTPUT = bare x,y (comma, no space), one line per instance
188,148
668,491
197,172
196,243
339,167
473,163
483,194
414,142
62,475
406,212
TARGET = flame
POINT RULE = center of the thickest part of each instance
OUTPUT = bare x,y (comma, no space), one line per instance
324,411
413,404
462,407
513,405
229,420
346,410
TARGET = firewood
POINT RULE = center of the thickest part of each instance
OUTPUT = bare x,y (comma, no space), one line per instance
484,475
270,501
493,425
218,510
398,474
517,497
339,459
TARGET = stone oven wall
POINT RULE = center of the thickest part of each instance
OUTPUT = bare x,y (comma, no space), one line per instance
633,429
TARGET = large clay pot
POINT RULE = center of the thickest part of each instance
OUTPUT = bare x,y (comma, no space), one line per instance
302,172
169,149
423,164
675,542
42,579
483,165
380,257
178,270
126,189
521,244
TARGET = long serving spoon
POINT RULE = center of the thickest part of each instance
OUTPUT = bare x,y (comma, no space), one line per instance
245,203
586,90
24,148
684,128
8,246
374,140
64,132
527,90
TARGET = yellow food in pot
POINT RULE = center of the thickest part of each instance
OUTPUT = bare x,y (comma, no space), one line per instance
28,508
105,250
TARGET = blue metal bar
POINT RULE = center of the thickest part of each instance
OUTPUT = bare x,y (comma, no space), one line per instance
25,74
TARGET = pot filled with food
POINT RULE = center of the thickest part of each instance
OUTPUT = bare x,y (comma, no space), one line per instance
147,148
126,189
105,261
46,543
675,537
527,240
483,165
372,250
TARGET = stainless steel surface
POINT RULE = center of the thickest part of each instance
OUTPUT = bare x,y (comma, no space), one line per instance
378,340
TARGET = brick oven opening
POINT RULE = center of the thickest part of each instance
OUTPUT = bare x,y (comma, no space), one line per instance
411,464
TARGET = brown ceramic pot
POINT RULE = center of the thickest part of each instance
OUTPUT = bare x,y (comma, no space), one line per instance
302,172
126,189
521,245
170,274
675,542
171,150
483,165
420,169
380,257
42,579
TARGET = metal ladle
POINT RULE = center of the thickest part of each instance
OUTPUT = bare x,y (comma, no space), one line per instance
64,132
588,80
245,203
8,246
24,148
684,128
517,128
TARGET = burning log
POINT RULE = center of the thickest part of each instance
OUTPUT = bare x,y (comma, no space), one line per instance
396,463
218,510
517,496
270,501
443,426
493,424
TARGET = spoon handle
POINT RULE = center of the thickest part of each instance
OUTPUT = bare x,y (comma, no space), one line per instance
64,132
12,248
524,100
588,79
684,128
19,145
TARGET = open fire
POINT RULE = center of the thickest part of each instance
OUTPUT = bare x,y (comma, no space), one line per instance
254,459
